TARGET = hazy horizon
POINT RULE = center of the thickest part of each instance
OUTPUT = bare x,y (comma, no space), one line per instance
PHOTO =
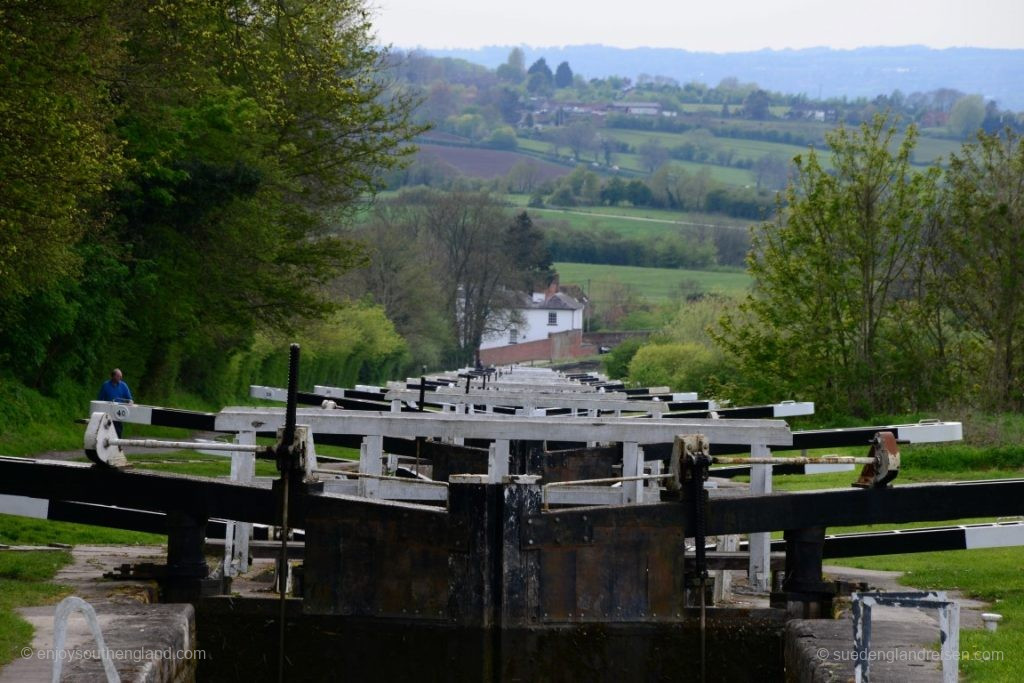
739,26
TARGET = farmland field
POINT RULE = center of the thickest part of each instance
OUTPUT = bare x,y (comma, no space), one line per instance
478,162
655,284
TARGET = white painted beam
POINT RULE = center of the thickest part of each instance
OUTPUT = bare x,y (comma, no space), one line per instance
447,427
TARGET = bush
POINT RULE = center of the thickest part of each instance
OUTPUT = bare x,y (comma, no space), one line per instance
616,363
563,196
683,367
503,138
356,345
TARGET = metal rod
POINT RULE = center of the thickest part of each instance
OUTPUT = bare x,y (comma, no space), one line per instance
197,445
608,480
285,462
823,460
293,388
367,475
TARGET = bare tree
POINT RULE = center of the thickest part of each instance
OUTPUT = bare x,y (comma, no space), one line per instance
579,136
473,264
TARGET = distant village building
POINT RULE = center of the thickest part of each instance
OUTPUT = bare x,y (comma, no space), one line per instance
636,108
549,327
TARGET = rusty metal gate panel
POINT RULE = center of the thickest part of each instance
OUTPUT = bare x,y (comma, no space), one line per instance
622,574
387,560
581,463
448,459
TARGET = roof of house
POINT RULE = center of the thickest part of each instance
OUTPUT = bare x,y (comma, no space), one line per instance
559,301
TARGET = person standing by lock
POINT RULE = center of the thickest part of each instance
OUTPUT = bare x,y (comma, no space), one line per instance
116,389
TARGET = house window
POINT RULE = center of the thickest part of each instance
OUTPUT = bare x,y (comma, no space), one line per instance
513,336
552,318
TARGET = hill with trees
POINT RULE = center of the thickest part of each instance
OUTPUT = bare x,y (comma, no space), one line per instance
718,152
816,72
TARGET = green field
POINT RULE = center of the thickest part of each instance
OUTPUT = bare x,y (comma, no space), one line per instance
741,147
635,164
624,223
930,149
927,150
655,284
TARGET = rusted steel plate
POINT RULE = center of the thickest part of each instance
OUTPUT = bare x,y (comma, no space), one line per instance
627,574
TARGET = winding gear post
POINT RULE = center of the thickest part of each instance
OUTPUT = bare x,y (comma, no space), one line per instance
286,451
690,461
698,462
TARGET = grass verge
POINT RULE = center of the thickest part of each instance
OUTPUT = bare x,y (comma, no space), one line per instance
25,582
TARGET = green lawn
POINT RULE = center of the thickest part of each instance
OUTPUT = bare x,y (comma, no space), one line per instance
654,284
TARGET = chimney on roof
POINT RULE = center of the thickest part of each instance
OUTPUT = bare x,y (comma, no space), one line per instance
552,287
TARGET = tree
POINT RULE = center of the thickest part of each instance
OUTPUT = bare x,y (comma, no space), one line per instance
197,154
967,115
638,193
539,77
523,177
563,76
57,152
514,68
827,273
770,172
248,121
517,59
757,105
653,154
399,279
984,247
578,136
614,191
506,100
470,251
529,253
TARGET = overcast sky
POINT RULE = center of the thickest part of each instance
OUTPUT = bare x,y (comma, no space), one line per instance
723,26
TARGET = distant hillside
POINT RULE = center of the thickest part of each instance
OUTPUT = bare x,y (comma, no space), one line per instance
864,72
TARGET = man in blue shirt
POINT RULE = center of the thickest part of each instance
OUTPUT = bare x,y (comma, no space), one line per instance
115,389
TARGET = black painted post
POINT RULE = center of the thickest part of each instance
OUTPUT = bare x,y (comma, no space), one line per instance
474,572
527,457
520,566
474,508
808,596
186,564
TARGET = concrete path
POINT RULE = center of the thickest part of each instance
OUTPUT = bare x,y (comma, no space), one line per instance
904,641
147,642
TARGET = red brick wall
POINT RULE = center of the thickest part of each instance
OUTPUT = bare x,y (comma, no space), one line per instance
568,344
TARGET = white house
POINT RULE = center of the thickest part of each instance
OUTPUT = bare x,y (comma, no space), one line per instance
540,315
